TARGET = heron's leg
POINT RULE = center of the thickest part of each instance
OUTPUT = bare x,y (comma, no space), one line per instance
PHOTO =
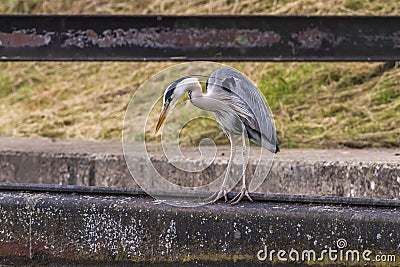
223,191
244,191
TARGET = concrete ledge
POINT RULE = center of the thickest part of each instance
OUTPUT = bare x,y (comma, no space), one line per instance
89,229
371,173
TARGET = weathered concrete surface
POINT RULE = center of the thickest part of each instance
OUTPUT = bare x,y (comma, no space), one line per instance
355,173
64,229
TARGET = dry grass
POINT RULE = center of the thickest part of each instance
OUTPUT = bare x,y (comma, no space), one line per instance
182,7
314,104
68,100
331,104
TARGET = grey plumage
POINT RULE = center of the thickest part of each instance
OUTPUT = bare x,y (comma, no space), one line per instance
236,102
242,96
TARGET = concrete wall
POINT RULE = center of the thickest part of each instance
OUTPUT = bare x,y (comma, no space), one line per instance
59,229
357,173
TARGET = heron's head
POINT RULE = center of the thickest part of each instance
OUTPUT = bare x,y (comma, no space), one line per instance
172,94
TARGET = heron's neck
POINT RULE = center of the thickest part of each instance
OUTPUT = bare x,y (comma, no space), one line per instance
195,94
190,85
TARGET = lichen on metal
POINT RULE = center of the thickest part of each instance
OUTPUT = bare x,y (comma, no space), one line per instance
313,38
160,37
25,38
219,38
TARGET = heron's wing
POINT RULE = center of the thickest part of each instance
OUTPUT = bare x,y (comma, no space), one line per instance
248,103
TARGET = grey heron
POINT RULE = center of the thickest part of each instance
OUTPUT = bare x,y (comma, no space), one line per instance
235,102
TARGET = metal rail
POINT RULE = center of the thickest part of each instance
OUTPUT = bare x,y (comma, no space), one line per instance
217,38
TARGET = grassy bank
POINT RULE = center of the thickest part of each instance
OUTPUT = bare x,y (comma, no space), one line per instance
314,104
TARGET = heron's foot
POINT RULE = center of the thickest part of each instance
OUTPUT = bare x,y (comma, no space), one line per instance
217,195
239,197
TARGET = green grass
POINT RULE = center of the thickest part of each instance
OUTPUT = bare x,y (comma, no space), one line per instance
387,93
334,104
319,105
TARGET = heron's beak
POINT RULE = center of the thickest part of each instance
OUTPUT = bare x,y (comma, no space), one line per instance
162,118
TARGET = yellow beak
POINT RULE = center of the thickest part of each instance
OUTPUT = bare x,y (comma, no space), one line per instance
162,118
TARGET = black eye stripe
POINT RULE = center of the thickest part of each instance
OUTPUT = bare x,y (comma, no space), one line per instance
172,86
169,94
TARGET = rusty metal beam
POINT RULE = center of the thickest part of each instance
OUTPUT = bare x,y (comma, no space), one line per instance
217,38
57,228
